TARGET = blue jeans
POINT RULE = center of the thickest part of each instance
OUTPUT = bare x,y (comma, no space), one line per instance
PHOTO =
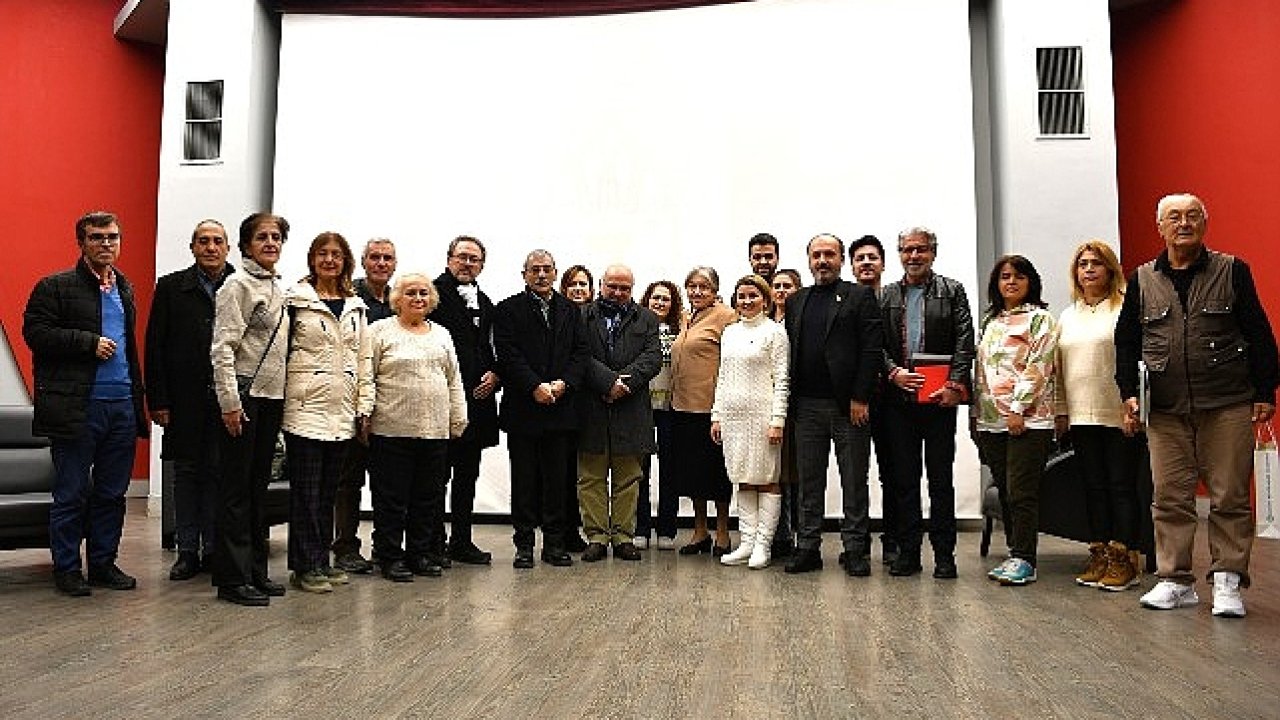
91,477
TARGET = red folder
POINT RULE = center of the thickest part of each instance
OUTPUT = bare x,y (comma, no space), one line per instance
935,369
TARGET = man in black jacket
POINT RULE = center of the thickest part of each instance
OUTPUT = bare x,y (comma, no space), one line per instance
617,414
467,313
836,348
927,320
79,325
180,392
541,354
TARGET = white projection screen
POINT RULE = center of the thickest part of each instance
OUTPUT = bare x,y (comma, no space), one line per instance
661,140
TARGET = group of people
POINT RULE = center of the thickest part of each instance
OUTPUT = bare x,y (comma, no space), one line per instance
749,395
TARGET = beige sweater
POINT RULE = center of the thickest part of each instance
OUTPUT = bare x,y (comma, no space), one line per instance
1086,386
247,309
417,385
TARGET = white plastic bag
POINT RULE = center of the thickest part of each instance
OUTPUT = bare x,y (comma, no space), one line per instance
1266,473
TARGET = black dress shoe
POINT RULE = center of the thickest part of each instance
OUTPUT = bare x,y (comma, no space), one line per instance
186,567
556,558
72,583
626,551
269,587
353,562
905,565
469,554
524,559
246,595
595,552
720,550
395,571
111,576
944,568
697,548
441,558
425,566
574,543
804,560
855,564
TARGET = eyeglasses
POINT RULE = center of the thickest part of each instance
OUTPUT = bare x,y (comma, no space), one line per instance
103,238
916,250
469,259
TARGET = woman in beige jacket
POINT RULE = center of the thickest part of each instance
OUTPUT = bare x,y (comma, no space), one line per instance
695,362
324,391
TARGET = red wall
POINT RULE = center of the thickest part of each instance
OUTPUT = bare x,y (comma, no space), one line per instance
79,131
1197,86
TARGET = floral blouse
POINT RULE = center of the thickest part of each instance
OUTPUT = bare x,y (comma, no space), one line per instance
1015,369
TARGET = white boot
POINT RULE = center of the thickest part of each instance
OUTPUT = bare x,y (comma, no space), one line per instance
766,524
747,510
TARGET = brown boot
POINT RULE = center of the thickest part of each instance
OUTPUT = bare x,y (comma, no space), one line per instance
1097,567
1121,573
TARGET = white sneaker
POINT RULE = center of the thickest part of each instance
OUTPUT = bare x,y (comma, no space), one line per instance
641,543
666,543
1167,595
1226,595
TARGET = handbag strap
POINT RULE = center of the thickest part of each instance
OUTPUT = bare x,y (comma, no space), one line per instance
271,340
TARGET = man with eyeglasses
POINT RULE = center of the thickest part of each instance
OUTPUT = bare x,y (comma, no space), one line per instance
379,262
1194,317
541,355
80,324
467,313
927,323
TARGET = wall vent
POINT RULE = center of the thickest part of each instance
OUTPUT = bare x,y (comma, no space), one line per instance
202,138
1061,78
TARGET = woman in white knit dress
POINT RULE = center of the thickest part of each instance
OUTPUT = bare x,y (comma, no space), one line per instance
748,416
418,404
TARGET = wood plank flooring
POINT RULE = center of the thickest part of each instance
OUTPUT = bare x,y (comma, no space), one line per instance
667,637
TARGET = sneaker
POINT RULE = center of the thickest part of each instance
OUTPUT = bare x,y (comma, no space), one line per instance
352,562
336,576
666,543
1167,595
641,542
1097,567
1121,574
1019,572
313,581
1226,595
998,571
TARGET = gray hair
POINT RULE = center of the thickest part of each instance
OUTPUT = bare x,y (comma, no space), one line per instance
375,241
707,272
919,230
1178,197
539,253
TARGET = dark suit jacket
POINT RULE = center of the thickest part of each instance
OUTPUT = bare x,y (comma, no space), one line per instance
854,345
624,426
474,347
530,353
178,370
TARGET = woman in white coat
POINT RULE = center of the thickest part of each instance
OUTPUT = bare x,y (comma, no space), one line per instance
323,389
749,414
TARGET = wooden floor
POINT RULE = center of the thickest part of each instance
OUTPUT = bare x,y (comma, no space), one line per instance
668,637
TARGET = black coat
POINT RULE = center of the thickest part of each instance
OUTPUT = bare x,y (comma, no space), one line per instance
473,344
624,426
854,343
178,369
61,325
530,353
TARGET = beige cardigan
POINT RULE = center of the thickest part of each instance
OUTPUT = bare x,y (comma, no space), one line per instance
695,359
246,310
417,384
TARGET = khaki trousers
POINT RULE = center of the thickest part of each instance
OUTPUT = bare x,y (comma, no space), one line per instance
1218,446
608,508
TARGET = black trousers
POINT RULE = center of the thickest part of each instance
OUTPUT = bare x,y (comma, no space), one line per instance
538,469
195,489
1109,461
464,466
241,557
882,441
928,431
346,502
407,477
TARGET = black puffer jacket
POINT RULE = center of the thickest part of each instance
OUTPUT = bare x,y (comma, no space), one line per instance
62,324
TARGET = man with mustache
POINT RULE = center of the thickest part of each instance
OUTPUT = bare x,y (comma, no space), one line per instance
836,347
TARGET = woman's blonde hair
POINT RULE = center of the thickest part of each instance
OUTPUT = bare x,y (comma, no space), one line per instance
1115,273
397,291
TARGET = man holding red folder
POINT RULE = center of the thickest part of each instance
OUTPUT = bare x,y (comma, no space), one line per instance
928,359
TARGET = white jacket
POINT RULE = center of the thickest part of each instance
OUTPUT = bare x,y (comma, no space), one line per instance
324,384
